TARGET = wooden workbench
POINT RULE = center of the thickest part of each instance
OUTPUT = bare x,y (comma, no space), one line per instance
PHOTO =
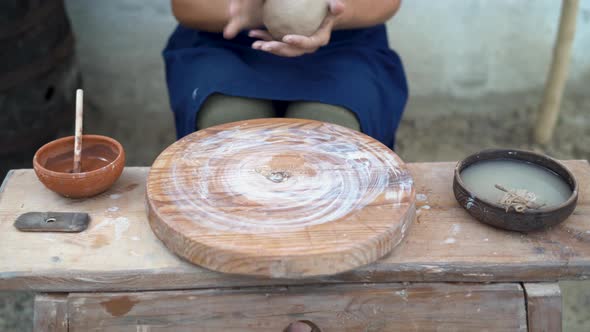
451,272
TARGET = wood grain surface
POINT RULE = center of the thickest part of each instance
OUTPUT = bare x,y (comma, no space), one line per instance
280,198
337,308
119,252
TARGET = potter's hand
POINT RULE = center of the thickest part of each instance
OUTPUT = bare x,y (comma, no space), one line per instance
243,14
296,45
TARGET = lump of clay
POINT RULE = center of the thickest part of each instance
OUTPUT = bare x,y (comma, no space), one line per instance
293,17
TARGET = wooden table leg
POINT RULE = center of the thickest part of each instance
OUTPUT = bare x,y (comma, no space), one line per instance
50,313
544,306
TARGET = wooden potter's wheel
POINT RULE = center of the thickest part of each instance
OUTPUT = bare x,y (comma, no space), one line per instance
280,198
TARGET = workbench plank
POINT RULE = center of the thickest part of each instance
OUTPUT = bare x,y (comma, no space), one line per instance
544,307
120,252
342,308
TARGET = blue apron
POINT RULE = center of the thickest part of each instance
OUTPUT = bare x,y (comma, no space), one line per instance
356,70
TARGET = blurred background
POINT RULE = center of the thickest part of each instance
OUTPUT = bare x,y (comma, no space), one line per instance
476,70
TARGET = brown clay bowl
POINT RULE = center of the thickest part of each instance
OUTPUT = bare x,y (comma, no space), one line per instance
103,160
495,215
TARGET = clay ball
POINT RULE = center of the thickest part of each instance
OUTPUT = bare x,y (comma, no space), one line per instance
293,17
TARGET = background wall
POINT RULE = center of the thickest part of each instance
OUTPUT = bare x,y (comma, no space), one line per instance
470,48
119,46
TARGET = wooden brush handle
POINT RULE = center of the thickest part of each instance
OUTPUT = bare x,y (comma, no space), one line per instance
78,137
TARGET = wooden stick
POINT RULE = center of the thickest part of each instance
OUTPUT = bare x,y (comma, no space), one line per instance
555,85
78,137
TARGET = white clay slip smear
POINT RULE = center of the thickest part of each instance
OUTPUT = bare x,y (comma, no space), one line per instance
292,177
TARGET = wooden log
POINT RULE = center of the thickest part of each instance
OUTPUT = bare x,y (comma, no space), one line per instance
549,111
544,307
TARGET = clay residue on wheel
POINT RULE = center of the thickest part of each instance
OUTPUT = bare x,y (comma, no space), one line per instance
251,180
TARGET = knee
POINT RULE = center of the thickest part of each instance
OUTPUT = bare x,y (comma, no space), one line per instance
218,109
325,113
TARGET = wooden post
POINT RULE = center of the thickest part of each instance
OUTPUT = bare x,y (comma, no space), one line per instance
555,85
544,307
50,313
